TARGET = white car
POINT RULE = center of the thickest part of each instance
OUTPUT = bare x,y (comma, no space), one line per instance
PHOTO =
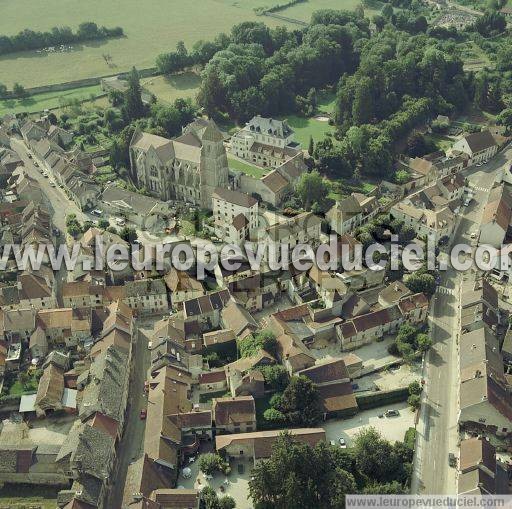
120,221
473,235
97,212
479,164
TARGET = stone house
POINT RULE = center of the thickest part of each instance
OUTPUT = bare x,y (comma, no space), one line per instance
182,286
235,215
479,146
234,415
147,296
352,212
257,445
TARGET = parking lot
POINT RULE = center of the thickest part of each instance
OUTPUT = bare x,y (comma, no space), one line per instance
391,428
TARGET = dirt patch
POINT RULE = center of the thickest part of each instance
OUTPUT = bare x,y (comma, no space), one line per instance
322,118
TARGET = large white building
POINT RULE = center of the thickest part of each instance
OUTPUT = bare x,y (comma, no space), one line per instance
188,168
265,142
235,215
478,146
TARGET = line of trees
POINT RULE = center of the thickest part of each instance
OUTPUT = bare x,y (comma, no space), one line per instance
31,40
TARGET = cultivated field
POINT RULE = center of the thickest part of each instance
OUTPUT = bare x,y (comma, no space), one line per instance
151,27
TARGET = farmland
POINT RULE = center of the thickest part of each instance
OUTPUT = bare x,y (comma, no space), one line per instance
303,11
150,29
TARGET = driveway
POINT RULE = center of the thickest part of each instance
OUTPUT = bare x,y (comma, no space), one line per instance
391,428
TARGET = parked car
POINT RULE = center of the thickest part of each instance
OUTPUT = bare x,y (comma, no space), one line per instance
392,413
143,414
342,443
120,221
96,212
452,460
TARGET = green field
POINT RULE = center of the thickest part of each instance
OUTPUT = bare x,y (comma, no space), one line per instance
48,100
306,127
170,88
304,10
248,169
151,27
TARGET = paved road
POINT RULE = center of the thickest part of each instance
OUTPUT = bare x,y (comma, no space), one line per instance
131,444
60,203
437,427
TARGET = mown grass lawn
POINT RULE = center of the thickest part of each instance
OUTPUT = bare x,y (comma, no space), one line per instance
47,100
248,169
440,141
169,88
306,127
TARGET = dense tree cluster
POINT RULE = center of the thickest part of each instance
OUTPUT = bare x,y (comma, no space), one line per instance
262,70
324,474
298,405
31,40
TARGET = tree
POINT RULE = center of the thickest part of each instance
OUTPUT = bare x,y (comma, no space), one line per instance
423,342
421,283
3,90
311,147
406,234
387,11
274,416
300,403
276,376
308,476
391,488
133,106
415,388
19,91
128,234
414,400
103,224
505,118
312,188
375,457
252,344
23,379
401,177
211,500
209,463
52,118
73,226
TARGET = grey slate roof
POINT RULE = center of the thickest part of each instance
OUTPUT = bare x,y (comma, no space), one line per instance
145,287
106,381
